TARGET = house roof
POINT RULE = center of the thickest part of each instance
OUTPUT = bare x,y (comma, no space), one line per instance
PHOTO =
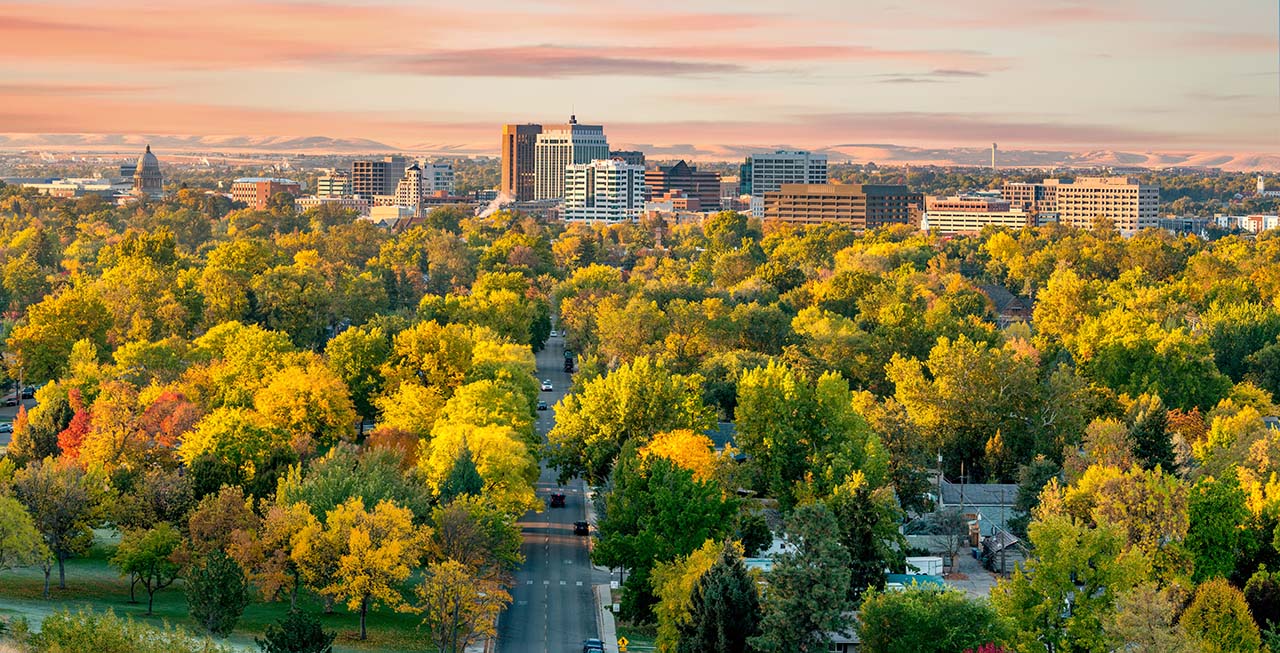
1002,298
980,494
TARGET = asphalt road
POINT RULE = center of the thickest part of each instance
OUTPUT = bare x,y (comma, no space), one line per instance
552,607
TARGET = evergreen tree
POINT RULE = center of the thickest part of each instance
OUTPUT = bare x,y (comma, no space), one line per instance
808,592
1149,432
463,479
217,593
297,632
724,611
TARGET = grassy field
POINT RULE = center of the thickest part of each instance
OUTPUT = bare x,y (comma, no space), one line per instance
92,583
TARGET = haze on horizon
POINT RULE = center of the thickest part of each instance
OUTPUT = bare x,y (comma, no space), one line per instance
1075,74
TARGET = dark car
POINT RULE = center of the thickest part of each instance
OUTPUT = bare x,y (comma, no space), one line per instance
557,499
581,528
29,392
592,646
542,405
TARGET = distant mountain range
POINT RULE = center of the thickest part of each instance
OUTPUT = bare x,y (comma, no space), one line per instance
851,152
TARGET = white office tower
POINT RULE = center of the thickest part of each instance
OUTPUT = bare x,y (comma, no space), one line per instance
766,173
607,190
560,147
437,177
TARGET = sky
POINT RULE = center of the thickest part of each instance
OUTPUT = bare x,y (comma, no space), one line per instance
1195,75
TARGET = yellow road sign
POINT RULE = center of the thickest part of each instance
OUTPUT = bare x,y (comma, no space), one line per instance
622,644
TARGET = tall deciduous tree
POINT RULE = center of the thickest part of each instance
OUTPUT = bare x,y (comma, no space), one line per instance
20,542
148,556
66,503
1062,594
458,607
926,620
1219,619
1216,509
1145,621
807,595
630,404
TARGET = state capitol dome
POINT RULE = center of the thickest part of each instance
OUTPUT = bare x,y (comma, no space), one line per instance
147,178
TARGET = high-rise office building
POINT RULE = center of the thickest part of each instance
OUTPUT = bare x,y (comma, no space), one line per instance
861,206
437,177
1129,204
334,183
634,157
767,172
609,190
409,189
1032,197
701,185
970,214
519,144
370,177
559,147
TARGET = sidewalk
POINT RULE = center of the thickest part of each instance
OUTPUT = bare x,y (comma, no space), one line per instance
604,618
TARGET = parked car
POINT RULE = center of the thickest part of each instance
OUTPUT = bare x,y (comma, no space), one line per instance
29,392
542,405
592,646
554,333
557,499
581,528
11,399
546,385
6,427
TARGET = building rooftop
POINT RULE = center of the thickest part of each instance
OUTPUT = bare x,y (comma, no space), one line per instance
255,180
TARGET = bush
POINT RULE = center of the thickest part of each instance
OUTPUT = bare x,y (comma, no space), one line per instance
297,632
104,632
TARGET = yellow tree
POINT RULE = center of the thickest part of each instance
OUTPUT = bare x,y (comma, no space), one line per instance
375,551
673,584
503,459
309,403
687,449
411,408
458,606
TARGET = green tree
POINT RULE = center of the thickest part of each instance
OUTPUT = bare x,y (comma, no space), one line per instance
463,480
356,356
1219,619
868,531
724,610
1149,431
65,503
1262,592
345,473
1216,510
630,404
1059,598
296,632
655,512
43,343
807,595
148,556
217,593
925,619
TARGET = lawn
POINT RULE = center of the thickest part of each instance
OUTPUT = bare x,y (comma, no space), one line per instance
93,583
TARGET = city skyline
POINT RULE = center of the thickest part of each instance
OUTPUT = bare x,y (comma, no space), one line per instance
1070,74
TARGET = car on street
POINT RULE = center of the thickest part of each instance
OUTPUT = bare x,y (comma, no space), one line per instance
12,399
592,646
6,427
546,385
557,499
554,333
581,528
29,392
542,405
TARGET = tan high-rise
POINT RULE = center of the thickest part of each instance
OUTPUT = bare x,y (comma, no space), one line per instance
518,157
1126,202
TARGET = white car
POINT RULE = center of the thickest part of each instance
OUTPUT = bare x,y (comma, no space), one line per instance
6,427
554,333
546,386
